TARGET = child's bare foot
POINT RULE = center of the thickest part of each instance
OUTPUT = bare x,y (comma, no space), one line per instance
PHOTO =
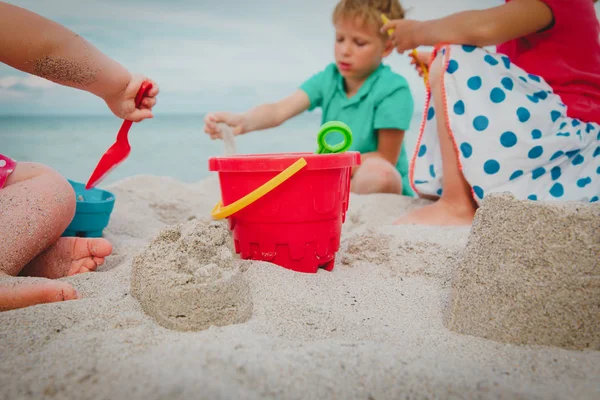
69,256
23,292
440,213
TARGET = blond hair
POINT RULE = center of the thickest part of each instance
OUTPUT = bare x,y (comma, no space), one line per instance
368,11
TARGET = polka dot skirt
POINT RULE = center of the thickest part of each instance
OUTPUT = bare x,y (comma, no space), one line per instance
511,133
6,167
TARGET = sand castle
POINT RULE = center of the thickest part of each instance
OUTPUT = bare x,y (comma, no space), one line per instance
187,278
530,274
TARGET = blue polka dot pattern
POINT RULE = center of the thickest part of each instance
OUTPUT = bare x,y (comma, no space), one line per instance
536,173
491,167
490,60
432,170
516,174
594,199
474,83
480,123
535,152
497,95
508,83
556,155
571,153
578,159
508,139
452,66
523,114
513,144
557,190
583,182
466,150
459,107
430,114
541,95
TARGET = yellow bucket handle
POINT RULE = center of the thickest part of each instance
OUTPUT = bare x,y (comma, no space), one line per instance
220,212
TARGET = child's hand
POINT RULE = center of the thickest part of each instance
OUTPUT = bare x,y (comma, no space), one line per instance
236,121
403,36
423,57
122,104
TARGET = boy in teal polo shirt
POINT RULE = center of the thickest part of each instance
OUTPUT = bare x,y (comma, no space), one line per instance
358,90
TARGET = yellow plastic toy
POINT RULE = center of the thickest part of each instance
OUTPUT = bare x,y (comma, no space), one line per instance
220,212
413,52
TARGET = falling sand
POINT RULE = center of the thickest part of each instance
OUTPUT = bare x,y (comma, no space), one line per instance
373,328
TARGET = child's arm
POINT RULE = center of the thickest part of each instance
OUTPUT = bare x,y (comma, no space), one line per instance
36,45
388,147
261,117
480,28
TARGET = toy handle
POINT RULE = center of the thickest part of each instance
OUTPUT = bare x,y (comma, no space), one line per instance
126,125
326,129
220,212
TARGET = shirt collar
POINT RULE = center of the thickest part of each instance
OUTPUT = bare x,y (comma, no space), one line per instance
364,89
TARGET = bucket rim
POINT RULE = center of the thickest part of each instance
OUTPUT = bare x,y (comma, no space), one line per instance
279,161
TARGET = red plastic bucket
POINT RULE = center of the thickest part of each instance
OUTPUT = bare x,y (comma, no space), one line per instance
296,225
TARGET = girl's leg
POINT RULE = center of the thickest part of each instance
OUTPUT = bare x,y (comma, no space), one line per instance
36,206
376,175
456,205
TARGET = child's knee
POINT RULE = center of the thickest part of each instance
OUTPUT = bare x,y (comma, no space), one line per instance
376,175
53,191
438,65
436,71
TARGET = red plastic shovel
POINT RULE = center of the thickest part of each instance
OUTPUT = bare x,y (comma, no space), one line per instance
119,151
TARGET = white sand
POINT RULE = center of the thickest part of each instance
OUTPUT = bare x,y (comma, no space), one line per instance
370,329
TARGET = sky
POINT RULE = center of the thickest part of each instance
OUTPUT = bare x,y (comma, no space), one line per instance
205,55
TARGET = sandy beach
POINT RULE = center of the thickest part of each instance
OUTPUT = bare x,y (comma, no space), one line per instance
373,328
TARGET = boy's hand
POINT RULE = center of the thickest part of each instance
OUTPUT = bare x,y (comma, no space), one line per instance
423,57
236,121
122,104
403,36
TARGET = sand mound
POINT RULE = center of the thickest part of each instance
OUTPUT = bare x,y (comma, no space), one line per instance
187,278
529,274
405,250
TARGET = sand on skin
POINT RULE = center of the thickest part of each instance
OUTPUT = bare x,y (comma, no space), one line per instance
371,328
